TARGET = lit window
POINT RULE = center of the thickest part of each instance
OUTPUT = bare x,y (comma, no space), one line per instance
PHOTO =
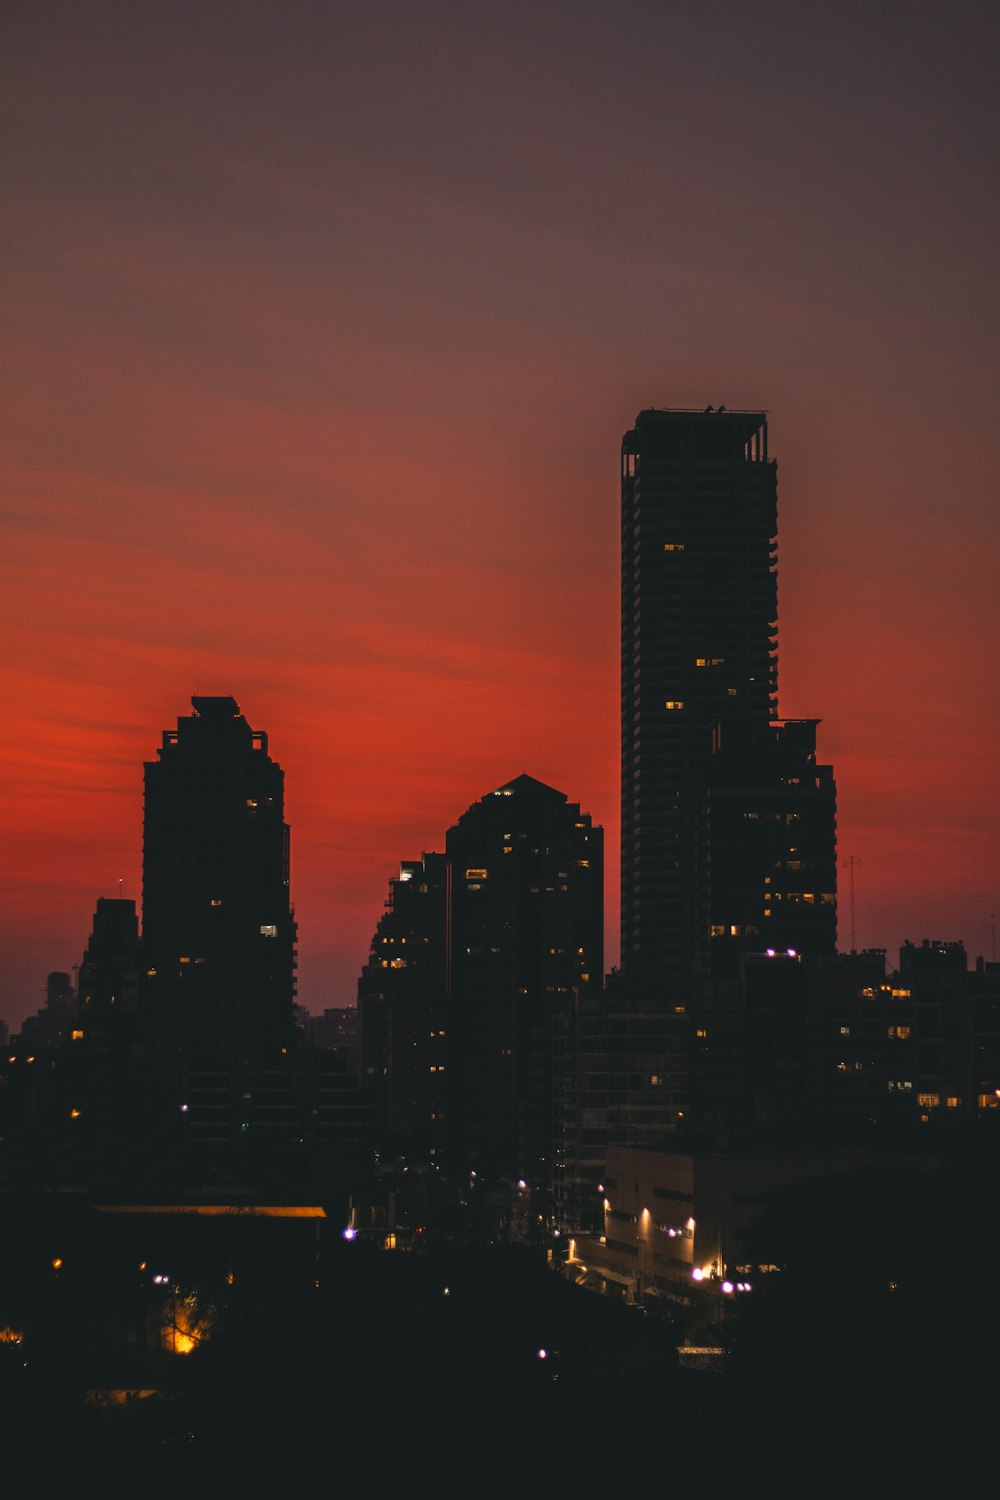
268,929
76,1036
476,874
215,901
674,703
673,546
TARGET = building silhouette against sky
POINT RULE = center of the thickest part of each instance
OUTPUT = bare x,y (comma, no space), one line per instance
698,646
728,829
526,935
478,951
403,1021
218,929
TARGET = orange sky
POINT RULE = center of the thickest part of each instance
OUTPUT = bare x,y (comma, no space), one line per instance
322,328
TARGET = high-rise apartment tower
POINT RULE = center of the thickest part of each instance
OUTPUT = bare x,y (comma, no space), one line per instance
698,635
218,931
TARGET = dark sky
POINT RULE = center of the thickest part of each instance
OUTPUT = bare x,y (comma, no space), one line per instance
322,325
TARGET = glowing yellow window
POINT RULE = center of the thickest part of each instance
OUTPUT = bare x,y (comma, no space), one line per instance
674,703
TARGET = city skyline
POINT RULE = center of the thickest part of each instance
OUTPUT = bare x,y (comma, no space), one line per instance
324,329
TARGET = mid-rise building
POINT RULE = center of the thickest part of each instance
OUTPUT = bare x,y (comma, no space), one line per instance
402,1013
480,953
526,920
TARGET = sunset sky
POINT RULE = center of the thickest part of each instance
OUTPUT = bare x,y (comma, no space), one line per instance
322,324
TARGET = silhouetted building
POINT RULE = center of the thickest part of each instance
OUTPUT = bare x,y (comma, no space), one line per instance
525,935
478,953
111,1051
50,1026
402,1012
337,1030
218,928
765,850
698,646
728,821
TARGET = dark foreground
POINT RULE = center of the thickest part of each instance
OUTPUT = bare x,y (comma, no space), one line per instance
460,1369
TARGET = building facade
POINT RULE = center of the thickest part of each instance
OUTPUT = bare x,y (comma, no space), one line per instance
402,1016
480,953
218,929
698,647
728,834
526,922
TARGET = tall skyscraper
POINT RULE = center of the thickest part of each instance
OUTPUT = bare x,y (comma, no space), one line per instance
218,930
698,646
728,834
